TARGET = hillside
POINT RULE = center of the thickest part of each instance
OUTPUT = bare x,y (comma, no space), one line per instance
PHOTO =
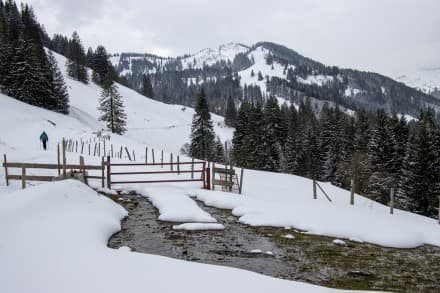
269,199
268,69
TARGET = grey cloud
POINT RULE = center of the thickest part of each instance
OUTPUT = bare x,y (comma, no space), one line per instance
387,36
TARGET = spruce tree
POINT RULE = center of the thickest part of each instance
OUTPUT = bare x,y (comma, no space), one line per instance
147,87
77,60
419,186
231,113
219,151
239,153
60,95
202,144
112,107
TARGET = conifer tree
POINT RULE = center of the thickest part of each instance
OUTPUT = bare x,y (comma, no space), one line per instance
112,107
77,60
239,153
419,186
100,64
202,144
219,151
147,87
231,113
60,95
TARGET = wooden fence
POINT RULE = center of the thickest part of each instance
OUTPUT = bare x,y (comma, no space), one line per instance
23,177
199,168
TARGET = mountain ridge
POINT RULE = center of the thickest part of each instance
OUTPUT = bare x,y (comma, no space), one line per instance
268,69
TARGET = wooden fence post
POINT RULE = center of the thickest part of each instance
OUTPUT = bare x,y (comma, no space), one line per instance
64,158
94,151
99,149
208,177
178,166
152,154
109,180
5,163
120,153
213,175
82,169
58,159
76,146
241,181
23,178
134,156
146,155
352,192
203,174
128,153
105,153
392,201
171,161
102,172
314,188
82,147
89,148
192,168
230,177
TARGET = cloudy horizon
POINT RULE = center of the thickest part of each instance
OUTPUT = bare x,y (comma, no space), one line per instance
389,37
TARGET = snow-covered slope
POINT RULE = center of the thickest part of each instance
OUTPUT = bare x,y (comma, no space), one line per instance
208,56
425,80
150,122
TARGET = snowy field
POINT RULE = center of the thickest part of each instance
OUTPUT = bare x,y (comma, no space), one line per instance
56,234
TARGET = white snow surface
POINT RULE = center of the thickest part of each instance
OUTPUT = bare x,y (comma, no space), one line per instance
54,239
199,226
426,79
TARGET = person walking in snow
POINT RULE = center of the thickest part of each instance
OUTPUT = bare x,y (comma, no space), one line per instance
44,139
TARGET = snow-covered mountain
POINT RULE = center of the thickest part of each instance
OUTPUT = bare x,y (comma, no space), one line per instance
271,69
77,222
426,80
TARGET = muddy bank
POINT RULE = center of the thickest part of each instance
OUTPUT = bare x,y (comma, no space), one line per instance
312,259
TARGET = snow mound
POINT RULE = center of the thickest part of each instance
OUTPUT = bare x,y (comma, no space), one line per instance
198,226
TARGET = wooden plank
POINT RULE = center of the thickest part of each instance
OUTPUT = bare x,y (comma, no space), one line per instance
157,181
153,164
155,172
31,178
326,195
94,177
222,183
51,166
224,171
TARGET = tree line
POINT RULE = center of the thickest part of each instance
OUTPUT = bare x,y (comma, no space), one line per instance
377,151
27,72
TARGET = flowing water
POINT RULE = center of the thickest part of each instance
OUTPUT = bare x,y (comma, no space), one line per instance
313,259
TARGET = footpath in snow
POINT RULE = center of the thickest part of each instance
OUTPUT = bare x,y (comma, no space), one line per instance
54,239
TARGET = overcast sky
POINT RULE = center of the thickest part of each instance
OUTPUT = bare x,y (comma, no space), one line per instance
387,36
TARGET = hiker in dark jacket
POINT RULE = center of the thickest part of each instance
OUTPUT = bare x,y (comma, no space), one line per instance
44,139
